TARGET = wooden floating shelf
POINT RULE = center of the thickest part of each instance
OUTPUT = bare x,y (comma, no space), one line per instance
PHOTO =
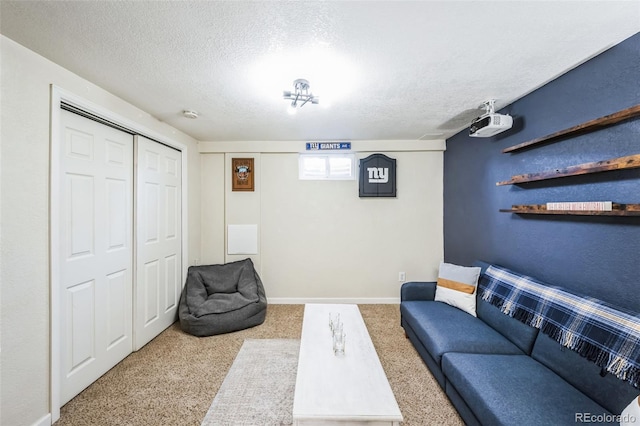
620,163
617,210
585,127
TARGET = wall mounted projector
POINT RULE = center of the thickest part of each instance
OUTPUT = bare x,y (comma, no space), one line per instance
490,123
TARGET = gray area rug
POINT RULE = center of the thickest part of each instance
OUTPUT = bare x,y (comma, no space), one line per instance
259,387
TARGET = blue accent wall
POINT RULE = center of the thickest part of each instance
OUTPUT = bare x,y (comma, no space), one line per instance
594,255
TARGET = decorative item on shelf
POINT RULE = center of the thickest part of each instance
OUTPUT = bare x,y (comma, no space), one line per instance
620,163
589,126
581,205
616,209
242,174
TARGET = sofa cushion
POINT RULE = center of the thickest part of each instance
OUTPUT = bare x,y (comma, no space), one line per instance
518,332
442,328
608,391
433,366
457,286
515,390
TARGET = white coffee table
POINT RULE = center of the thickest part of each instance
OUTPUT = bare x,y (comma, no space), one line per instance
342,390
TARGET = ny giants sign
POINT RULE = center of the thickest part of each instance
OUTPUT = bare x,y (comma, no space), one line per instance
377,176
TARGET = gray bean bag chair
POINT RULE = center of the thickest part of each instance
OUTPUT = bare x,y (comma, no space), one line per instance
219,299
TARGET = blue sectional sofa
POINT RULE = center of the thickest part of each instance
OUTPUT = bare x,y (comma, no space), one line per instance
498,371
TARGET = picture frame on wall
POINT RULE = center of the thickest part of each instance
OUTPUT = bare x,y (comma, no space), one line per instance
242,174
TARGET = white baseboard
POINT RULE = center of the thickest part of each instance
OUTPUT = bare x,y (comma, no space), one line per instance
354,300
44,421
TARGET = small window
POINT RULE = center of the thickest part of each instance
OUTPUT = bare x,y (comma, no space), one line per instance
326,166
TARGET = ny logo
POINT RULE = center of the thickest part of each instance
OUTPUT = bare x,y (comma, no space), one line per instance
378,174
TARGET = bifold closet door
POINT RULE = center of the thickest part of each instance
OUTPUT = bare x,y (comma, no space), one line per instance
158,239
96,250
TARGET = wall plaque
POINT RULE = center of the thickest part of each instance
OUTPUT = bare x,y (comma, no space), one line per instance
242,174
377,176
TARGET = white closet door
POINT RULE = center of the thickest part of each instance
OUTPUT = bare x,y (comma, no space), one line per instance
96,250
158,239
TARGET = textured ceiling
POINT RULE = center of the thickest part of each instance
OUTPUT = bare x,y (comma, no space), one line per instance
391,69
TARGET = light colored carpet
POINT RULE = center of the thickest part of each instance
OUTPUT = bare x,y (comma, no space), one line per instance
173,379
259,387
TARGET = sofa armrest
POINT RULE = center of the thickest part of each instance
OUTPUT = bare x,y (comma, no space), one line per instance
415,290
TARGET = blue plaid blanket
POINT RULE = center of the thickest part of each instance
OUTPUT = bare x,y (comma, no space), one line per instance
604,334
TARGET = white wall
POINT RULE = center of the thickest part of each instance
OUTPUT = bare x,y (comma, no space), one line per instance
24,252
212,205
243,207
318,240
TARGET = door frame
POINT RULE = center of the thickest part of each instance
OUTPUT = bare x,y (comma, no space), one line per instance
59,96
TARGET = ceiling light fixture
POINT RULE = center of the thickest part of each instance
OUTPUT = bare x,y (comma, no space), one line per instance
301,95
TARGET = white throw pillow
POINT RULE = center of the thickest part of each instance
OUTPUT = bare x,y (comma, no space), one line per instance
631,415
457,286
